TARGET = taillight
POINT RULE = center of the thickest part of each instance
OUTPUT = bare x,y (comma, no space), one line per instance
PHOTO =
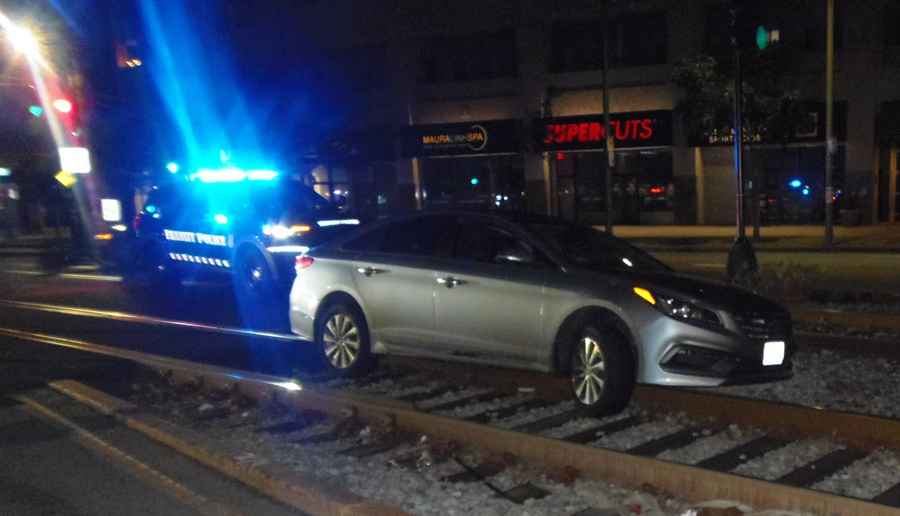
303,262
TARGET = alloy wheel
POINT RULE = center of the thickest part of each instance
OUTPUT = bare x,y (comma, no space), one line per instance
588,371
341,341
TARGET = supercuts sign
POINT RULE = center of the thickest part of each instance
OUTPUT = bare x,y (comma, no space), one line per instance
635,129
487,137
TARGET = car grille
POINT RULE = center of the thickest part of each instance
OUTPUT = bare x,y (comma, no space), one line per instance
765,326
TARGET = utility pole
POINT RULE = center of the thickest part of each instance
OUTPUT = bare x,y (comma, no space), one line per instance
742,257
608,134
830,144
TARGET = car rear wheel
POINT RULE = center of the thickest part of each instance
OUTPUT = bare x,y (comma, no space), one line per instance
159,269
601,371
342,337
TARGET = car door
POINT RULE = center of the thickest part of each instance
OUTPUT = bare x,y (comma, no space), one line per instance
490,308
394,274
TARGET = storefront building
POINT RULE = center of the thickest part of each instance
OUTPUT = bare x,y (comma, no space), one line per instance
507,110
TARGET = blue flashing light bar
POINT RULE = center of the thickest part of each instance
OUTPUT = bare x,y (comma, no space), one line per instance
261,175
233,175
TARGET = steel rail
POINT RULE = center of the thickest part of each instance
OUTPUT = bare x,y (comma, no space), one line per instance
123,316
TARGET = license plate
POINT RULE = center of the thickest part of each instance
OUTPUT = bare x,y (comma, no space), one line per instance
773,353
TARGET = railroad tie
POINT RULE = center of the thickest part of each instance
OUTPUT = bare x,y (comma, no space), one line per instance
548,422
472,474
673,441
597,432
524,492
367,450
821,469
377,377
478,398
325,437
307,419
417,396
730,459
891,497
489,415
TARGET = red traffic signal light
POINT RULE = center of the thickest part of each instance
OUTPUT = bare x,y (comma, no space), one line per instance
62,105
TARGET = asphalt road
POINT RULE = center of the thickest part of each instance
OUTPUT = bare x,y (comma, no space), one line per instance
159,329
61,457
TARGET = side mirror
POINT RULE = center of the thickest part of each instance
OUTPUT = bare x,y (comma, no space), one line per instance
518,254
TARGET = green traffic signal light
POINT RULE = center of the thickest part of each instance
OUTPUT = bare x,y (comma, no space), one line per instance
764,37
36,110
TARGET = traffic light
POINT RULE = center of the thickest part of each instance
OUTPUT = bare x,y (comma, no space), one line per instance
63,105
766,36
36,110
67,113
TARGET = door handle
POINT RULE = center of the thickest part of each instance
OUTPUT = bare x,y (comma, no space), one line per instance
450,281
369,271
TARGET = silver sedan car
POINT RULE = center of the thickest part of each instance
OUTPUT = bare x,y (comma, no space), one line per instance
526,291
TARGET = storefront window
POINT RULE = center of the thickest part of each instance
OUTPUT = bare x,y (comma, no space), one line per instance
642,184
789,184
489,181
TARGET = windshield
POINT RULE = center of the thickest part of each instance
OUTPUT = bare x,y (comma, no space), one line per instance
591,248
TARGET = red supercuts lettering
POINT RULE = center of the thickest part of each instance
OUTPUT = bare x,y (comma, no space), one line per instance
594,131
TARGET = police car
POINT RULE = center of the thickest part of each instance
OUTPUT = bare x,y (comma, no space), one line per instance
250,224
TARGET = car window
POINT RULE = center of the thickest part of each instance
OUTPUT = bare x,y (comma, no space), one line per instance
592,248
420,236
484,244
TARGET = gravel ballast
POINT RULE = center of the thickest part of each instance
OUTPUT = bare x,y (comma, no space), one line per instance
410,476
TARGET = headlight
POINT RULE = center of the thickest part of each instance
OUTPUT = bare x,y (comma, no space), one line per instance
678,308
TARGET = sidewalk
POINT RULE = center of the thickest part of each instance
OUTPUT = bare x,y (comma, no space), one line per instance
881,238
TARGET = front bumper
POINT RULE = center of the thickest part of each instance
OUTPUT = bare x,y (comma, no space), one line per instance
677,353
697,361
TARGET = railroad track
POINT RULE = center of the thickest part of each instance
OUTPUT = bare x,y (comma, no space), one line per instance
776,457
761,454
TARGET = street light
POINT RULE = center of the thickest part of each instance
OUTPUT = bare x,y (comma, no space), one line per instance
23,41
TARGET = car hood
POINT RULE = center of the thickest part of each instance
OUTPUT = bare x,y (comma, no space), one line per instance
721,295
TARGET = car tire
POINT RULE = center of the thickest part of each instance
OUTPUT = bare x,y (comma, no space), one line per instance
254,278
601,371
342,337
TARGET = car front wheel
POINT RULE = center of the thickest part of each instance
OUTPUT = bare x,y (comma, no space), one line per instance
342,337
253,277
601,371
